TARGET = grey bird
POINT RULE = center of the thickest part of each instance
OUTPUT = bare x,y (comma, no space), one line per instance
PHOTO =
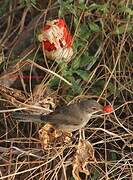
67,118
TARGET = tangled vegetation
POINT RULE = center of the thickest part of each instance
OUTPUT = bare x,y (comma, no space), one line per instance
101,68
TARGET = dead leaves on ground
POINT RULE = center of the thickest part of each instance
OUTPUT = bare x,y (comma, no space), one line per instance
84,155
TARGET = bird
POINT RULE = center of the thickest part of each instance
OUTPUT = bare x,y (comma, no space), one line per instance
67,118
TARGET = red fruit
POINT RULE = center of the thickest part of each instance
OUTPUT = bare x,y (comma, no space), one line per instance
48,46
46,27
66,36
57,40
108,109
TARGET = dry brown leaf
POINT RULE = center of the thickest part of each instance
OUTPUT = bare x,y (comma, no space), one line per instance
48,103
83,155
47,135
50,136
12,93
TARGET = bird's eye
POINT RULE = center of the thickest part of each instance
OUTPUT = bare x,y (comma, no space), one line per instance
94,108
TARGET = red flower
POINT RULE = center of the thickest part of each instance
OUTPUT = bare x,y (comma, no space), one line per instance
108,109
57,40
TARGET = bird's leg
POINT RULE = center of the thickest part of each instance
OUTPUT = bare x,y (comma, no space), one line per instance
81,134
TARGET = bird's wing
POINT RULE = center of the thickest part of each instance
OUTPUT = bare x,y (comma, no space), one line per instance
66,115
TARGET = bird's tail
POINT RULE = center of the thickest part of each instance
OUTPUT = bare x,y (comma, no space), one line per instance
27,117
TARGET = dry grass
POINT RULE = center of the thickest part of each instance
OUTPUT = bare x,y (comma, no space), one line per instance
110,80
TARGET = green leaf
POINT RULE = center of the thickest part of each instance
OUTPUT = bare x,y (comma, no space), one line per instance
82,5
84,31
68,74
62,66
75,64
83,74
99,7
86,59
53,84
125,9
66,7
76,87
94,27
77,43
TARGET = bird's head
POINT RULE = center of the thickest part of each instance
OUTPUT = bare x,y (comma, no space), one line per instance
91,106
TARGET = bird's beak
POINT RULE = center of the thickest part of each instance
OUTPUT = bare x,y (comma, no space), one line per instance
98,112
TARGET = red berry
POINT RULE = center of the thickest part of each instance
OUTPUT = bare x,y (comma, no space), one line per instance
107,109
